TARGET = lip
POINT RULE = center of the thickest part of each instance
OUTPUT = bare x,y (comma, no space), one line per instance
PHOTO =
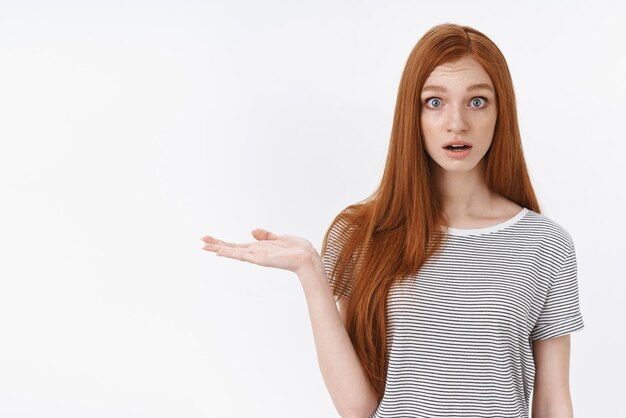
458,155
456,142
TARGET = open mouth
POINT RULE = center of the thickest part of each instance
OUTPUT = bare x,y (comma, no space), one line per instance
457,147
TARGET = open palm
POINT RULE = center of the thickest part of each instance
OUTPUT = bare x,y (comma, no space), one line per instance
287,252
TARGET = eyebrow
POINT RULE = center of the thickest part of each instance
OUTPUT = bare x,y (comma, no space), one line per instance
473,87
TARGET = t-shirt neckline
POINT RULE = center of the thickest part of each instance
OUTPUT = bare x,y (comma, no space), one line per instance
488,229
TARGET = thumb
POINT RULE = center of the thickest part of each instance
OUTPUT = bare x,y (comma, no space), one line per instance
262,234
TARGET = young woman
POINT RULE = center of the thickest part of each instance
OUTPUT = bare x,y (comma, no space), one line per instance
446,293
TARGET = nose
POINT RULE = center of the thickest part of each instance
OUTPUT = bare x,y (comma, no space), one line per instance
457,121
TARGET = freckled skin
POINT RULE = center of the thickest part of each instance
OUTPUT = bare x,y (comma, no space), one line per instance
458,114
465,115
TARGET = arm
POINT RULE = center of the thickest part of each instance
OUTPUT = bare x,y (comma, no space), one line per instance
341,368
551,395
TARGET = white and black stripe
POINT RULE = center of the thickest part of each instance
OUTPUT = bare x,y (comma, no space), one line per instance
459,331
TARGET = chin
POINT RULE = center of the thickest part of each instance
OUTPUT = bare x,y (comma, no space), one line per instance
459,166
463,165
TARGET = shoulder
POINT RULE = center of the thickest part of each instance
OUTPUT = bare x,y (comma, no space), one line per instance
548,232
344,225
338,235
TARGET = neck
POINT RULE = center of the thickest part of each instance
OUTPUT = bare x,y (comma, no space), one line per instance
464,193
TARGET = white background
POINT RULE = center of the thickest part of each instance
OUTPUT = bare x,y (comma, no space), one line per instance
131,129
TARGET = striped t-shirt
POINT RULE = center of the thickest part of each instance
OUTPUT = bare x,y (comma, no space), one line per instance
460,330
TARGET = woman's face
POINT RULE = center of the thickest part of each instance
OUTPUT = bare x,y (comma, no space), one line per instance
458,104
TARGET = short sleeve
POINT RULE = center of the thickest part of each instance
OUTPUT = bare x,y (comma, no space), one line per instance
561,314
337,237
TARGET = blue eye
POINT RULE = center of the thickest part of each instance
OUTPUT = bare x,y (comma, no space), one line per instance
476,102
478,99
435,99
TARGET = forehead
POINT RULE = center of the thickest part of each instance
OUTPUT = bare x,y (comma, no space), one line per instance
465,71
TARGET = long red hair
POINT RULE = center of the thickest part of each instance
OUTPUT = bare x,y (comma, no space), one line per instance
390,235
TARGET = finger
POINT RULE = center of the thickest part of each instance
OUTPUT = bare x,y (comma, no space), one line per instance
216,247
212,247
263,234
237,254
210,240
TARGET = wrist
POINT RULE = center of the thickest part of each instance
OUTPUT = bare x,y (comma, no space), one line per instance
312,270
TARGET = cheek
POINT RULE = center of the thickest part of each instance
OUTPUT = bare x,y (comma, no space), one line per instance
430,133
428,123
485,123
